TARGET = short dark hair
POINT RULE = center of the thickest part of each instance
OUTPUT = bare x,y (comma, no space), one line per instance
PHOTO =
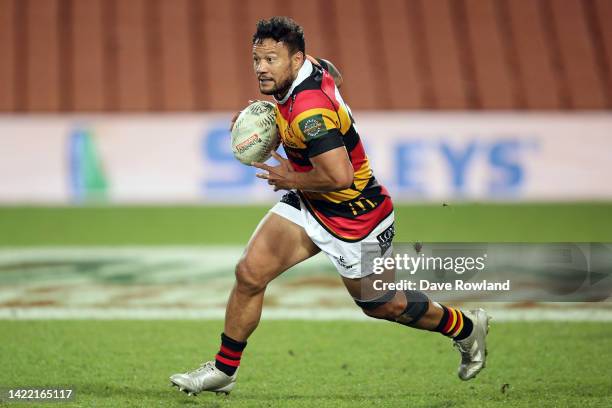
281,29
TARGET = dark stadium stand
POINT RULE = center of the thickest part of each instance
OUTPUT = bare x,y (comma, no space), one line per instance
194,55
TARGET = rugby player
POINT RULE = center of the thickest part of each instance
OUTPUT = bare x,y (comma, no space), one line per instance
334,204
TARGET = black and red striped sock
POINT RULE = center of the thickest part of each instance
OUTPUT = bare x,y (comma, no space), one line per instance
228,357
454,324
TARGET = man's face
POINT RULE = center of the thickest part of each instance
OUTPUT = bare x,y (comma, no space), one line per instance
275,68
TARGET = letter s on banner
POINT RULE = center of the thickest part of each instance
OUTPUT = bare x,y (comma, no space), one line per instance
458,160
506,166
228,172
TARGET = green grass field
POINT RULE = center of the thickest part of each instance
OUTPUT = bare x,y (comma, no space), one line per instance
311,364
307,363
27,226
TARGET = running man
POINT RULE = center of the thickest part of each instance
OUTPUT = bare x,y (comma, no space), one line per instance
334,204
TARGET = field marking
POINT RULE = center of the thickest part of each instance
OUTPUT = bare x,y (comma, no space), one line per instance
320,314
193,283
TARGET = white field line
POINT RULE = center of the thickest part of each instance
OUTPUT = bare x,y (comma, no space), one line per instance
350,314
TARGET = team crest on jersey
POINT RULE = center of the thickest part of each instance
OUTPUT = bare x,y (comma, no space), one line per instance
313,127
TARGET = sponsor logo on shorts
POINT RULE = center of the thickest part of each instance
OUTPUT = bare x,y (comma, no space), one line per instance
385,239
342,262
292,199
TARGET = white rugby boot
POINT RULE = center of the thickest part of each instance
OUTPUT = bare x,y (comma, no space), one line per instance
473,348
205,378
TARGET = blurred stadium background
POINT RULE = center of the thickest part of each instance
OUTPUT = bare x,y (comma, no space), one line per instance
489,121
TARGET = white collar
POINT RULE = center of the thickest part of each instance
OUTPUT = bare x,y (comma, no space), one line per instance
303,73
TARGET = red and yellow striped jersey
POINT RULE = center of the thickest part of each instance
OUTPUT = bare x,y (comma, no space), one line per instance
313,119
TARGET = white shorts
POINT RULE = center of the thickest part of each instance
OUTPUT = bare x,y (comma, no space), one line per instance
346,256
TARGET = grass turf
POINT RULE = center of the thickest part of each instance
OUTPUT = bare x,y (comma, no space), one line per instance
31,226
305,364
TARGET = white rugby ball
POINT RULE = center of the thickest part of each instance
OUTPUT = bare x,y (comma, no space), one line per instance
254,134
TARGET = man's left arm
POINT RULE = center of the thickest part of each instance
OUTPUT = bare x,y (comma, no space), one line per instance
331,171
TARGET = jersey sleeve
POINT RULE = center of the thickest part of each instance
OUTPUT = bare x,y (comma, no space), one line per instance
319,129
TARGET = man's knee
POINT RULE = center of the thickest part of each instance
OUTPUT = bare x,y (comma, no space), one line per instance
388,306
248,278
387,311
405,310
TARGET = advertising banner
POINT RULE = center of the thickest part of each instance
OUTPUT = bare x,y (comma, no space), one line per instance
430,157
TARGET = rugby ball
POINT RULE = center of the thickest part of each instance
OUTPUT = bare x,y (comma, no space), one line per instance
254,134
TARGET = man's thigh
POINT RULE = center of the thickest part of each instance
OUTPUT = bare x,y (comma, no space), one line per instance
276,245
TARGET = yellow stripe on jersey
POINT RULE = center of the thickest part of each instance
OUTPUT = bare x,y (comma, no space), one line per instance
362,175
345,119
288,136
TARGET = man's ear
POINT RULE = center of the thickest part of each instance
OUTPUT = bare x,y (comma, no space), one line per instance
297,59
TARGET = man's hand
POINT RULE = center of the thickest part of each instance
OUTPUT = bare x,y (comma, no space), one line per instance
331,171
282,177
235,117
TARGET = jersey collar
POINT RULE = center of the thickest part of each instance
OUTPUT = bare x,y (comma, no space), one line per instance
303,73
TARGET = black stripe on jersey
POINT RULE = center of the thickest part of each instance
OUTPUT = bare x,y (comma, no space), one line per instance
372,183
297,156
346,209
330,141
349,209
351,138
312,82
372,189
